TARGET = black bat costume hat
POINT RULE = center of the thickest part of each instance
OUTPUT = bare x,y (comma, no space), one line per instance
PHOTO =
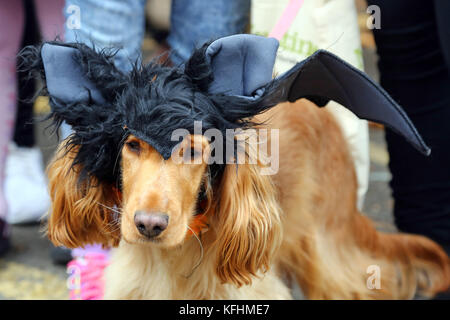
223,84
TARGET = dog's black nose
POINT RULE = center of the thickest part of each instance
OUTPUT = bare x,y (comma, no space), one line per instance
150,224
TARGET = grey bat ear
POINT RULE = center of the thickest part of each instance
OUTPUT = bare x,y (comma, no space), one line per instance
241,64
64,76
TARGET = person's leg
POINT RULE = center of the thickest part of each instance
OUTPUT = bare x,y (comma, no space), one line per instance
194,22
23,130
413,70
442,9
109,24
11,21
43,19
24,167
50,17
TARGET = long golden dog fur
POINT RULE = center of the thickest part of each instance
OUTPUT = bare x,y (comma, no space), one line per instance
265,232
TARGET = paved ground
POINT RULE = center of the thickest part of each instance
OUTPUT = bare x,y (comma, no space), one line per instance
27,272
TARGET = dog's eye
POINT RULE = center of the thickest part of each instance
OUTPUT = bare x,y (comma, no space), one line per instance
134,146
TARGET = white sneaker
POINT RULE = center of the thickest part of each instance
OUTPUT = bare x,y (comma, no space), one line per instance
25,185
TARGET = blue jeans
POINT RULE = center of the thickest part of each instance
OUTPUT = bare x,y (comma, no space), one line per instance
193,22
121,23
113,23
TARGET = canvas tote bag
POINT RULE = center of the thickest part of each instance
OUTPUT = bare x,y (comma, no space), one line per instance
313,25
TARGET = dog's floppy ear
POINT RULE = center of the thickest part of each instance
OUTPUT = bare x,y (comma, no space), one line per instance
247,224
82,211
241,67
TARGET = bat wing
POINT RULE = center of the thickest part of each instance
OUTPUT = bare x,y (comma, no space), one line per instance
323,77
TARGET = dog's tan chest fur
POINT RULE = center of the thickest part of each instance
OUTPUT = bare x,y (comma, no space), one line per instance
138,272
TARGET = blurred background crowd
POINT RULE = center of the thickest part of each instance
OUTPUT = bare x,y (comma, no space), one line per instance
409,55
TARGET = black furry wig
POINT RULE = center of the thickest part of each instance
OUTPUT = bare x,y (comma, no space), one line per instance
223,84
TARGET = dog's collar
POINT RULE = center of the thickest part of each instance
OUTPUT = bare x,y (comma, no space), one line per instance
199,222
198,225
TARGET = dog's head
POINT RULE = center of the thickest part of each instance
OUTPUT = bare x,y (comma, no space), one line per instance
117,176
165,203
